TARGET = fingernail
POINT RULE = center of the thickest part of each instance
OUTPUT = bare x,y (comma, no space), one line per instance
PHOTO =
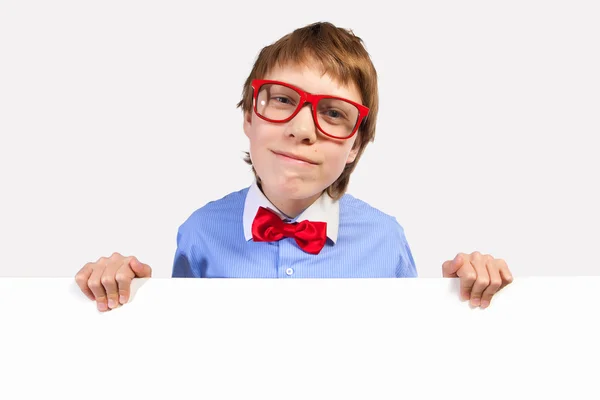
485,303
112,303
122,299
102,306
475,302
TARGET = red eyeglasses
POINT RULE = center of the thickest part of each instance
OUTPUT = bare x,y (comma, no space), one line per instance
336,117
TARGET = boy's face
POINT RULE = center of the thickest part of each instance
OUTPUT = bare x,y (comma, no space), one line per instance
290,179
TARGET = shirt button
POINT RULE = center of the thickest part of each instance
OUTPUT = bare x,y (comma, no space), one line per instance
289,271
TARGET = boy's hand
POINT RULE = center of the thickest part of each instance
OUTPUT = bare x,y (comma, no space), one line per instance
108,280
481,276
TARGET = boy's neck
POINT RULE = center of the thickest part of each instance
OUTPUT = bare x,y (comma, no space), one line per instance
290,207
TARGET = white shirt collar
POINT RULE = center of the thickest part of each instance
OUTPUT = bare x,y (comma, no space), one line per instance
324,209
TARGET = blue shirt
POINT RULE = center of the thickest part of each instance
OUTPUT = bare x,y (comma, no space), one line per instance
215,241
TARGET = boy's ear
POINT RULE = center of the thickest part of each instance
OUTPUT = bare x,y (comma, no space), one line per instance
354,151
353,154
247,122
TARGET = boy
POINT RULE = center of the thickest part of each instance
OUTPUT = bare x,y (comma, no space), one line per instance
310,107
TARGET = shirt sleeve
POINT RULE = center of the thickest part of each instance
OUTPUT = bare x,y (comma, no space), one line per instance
185,263
406,264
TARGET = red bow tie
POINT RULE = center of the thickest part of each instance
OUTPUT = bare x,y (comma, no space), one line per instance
268,227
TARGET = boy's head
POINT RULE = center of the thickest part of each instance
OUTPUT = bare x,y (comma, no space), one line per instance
319,59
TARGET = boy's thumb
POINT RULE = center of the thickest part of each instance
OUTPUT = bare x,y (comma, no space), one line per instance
141,270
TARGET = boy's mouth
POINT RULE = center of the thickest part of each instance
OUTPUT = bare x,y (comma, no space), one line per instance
293,157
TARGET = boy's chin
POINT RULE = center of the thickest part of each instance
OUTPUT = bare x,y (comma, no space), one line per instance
296,189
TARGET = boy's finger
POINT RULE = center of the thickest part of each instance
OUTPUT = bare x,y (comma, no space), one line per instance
467,277
494,286
482,281
95,285
82,278
450,267
110,285
123,277
140,270
507,277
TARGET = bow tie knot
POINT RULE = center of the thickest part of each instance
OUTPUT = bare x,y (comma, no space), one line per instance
309,235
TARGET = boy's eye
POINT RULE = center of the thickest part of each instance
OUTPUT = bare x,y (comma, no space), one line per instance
333,114
282,99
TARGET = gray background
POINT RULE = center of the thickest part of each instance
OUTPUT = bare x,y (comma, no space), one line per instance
118,120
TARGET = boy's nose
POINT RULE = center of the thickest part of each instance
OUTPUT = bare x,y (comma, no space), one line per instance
303,126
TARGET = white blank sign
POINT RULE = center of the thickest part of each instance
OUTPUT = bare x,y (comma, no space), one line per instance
304,339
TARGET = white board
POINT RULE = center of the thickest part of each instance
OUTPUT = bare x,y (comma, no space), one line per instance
305,339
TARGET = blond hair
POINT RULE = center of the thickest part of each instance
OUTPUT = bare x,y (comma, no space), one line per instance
341,54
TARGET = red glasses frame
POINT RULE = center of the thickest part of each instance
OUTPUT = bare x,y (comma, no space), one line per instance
312,99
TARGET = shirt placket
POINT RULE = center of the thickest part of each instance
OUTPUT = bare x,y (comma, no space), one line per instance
286,255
